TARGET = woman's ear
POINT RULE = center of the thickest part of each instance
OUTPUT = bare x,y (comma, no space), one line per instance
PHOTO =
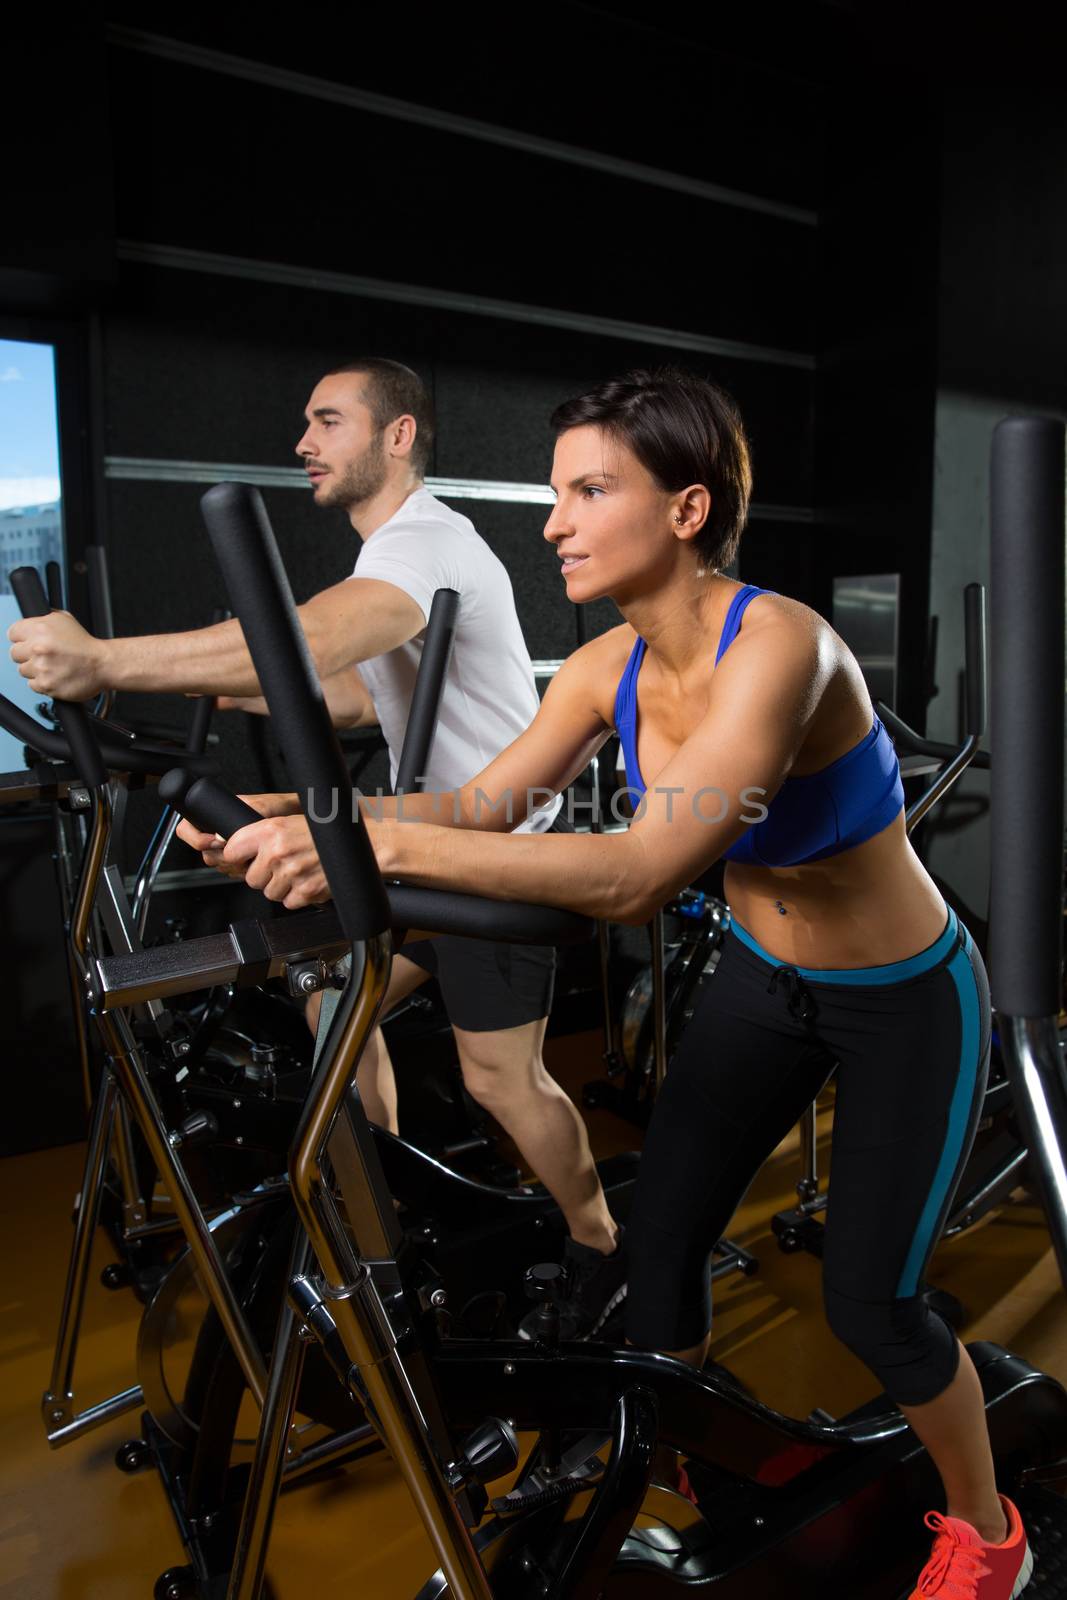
691,509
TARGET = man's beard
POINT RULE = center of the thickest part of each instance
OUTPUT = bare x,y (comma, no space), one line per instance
361,480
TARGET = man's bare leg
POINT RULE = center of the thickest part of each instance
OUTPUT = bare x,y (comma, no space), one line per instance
375,1078
504,1072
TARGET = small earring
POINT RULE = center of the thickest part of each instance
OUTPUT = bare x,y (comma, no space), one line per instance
679,520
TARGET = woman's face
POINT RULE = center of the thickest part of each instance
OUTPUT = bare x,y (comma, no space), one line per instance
612,523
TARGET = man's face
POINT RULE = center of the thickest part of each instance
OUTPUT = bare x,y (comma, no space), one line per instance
342,451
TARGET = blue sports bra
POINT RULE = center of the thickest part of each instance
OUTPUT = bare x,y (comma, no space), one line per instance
810,817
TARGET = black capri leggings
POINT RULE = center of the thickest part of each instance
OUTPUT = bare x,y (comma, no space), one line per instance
911,1044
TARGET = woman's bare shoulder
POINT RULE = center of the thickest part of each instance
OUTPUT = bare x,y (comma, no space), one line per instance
779,621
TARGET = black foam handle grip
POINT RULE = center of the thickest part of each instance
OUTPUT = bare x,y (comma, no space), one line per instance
205,802
28,590
426,696
200,724
261,598
100,618
53,579
974,635
1027,708
203,707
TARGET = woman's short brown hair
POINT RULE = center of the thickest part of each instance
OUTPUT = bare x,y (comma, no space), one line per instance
683,430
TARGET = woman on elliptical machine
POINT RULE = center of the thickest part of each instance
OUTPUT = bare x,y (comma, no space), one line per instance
749,735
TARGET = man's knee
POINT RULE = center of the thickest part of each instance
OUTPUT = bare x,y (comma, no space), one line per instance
909,1348
494,1064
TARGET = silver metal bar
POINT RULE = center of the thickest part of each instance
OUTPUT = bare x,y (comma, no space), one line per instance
659,1002
944,780
265,1478
148,871
95,1417
119,924
360,1318
144,469
1002,1182
336,1448
247,269
57,1403
128,1067
1031,1047
92,867
81,1034
808,1186
383,105
134,1210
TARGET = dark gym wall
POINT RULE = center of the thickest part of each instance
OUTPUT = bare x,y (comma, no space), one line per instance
268,228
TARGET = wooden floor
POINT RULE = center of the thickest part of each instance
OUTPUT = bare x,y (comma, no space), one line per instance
73,1527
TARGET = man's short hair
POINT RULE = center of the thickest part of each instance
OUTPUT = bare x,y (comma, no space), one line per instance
393,390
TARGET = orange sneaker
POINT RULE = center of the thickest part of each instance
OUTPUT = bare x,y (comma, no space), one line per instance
963,1567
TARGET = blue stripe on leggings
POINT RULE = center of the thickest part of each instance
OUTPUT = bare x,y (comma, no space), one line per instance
958,1118
867,977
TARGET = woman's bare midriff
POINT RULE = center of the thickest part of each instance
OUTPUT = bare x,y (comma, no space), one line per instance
865,907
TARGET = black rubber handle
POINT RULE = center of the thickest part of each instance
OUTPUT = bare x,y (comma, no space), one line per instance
28,590
53,581
1026,637
974,632
205,802
200,724
471,917
102,622
261,598
204,706
426,696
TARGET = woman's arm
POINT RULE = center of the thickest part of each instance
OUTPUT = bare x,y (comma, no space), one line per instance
764,696
718,783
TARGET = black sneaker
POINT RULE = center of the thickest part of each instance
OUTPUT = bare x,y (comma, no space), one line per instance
595,1296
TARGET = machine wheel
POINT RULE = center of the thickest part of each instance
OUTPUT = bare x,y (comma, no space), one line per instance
116,1275
132,1456
177,1583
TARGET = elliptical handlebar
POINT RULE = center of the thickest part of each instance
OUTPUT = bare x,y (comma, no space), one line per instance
85,754
261,598
426,697
118,748
905,738
954,762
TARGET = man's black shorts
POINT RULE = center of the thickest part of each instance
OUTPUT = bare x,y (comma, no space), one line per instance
486,987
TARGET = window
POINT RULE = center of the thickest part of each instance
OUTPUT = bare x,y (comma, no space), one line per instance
31,502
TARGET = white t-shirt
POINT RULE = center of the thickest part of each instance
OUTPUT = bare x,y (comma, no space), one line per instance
489,696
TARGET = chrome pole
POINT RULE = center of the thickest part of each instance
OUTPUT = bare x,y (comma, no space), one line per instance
126,1063
352,1296
1035,1063
268,1462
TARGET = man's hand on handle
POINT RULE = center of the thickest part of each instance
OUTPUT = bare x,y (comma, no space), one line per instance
58,657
